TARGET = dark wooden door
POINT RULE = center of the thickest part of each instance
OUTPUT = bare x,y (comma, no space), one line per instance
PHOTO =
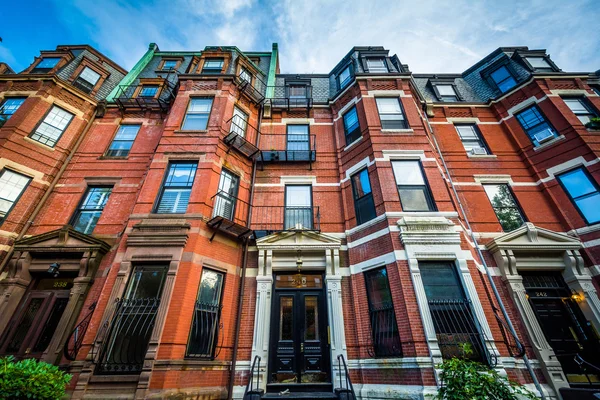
31,329
299,341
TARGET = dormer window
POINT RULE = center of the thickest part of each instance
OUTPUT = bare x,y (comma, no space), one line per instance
148,91
377,65
446,93
297,91
46,65
245,75
169,65
344,77
503,79
86,81
540,64
213,66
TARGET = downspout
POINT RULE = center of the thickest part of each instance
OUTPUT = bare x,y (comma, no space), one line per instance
50,189
482,258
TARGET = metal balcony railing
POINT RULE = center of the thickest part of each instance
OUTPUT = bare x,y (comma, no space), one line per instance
124,347
253,87
240,135
288,97
230,215
270,219
457,332
132,97
288,148
75,339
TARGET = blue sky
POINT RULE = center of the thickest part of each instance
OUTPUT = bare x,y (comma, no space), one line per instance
430,36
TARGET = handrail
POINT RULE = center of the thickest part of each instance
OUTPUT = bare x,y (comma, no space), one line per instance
518,345
348,382
77,335
250,385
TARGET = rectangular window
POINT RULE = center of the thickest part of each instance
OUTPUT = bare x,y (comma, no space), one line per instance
412,187
364,206
580,108
9,107
351,126
177,187
89,210
239,122
169,65
447,93
471,139
539,64
376,65
213,66
584,193
46,65
298,207
204,334
245,75
121,144
344,77
297,91
451,312
384,329
148,91
52,127
535,125
503,79
297,138
12,186
196,117
87,80
504,205
390,113
226,198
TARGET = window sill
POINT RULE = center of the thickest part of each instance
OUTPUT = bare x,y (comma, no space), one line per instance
353,143
397,131
549,143
203,131
113,158
482,156
42,145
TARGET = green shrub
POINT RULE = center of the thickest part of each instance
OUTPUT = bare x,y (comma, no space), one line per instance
470,380
31,379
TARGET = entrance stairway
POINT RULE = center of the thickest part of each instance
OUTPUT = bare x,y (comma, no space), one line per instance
304,391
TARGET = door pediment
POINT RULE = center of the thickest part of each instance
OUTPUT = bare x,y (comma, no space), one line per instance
532,238
64,239
293,240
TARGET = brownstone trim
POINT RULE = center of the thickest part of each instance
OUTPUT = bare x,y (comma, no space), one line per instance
162,63
52,105
65,56
150,82
86,62
226,56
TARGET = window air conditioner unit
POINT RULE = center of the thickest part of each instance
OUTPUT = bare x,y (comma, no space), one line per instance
544,136
478,151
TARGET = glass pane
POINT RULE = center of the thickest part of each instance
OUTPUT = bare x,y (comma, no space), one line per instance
504,206
200,105
311,318
210,287
297,196
229,182
361,184
11,105
48,62
500,74
576,105
408,172
538,62
195,122
376,65
89,75
32,310
441,281
11,185
467,131
86,221
378,288
388,105
127,132
344,77
446,90
577,183
148,91
350,120
145,282
286,318
58,118
590,207
174,201
413,198
51,323
181,174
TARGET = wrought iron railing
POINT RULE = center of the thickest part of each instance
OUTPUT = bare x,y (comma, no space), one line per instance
572,362
282,98
241,135
457,333
124,347
230,214
253,392
75,339
254,87
346,390
130,96
287,148
513,344
384,332
270,219
204,336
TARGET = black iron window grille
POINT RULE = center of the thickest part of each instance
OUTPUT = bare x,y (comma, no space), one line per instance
213,66
583,192
196,117
298,207
364,206
390,113
123,140
471,139
46,65
351,126
384,329
12,186
177,187
129,332
457,331
506,208
204,334
52,127
87,79
90,209
412,187
535,125
9,107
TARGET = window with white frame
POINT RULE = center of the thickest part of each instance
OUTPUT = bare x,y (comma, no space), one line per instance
390,113
580,108
52,127
471,139
446,93
412,187
376,65
177,187
540,64
12,185
196,117
9,107
505,206
87,80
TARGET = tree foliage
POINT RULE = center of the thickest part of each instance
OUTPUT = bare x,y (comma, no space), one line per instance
31,379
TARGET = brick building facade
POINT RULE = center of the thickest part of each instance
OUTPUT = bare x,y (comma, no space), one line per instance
204,214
